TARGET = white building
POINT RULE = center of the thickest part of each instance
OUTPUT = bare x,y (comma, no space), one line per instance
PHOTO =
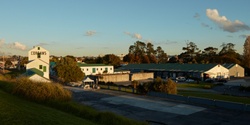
93,69
38,66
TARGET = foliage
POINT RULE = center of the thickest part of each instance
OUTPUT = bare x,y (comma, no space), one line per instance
68,70
8,64
158,85
170,87
246,53
17,111
70,107
40,91
111,59
145,53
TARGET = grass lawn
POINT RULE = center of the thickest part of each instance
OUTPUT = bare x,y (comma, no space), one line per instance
214,96
17,111
195,85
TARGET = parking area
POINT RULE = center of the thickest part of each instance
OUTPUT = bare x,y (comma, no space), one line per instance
157,110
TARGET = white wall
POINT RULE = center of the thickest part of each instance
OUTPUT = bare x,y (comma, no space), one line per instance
35,61
32,54
88,70
218,72
36,64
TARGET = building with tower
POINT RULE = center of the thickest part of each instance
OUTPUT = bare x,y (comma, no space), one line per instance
38,67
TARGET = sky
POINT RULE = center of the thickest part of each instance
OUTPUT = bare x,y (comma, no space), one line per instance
100,27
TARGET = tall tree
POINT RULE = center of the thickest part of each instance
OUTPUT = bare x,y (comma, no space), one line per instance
151,53
191,51
162,57
246,52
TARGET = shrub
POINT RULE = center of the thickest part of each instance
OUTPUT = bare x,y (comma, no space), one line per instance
207,86
40,91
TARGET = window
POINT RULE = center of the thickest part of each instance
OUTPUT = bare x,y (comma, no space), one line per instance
40,66
101,68
82,69
110,68
96,68
38,55
93,70
38,48
44,69
106,69
87,69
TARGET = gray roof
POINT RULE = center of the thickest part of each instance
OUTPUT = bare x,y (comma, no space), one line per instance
170,67
228,65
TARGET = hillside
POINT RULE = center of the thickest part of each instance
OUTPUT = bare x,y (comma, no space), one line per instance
17,111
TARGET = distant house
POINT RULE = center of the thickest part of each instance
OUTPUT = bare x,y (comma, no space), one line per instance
38,67
93,69
235,70
173,70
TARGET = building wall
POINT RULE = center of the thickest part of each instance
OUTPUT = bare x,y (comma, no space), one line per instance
93,70
218,72
40,65
33,54
114,78
126,77
142,76
236,71
38,78
38,56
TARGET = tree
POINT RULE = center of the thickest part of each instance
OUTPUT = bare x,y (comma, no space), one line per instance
246,53
68,70
191,51
8,63
162,57
111,59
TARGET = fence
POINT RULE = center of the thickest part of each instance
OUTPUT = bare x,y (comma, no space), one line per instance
119,88
189,99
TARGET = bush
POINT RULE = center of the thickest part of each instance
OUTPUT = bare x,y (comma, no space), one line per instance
207,86
40,91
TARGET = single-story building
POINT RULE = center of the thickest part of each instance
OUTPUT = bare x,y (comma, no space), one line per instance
173,70
93,69
235,70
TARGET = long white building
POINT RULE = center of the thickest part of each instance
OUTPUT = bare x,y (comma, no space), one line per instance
93,69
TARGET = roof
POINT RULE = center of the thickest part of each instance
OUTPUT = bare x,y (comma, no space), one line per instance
87,79
170,67
33,71
90,65
228,65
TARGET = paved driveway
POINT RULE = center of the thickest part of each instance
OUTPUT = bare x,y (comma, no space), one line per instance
158,110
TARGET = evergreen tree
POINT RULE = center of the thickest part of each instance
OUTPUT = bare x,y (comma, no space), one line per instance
246,53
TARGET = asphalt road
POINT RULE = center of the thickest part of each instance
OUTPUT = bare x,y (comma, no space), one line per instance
158,111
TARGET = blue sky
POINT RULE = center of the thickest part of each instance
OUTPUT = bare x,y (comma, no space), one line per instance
93,27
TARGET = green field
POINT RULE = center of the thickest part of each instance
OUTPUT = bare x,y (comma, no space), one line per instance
17,111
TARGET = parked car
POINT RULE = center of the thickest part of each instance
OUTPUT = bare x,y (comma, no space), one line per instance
181,79
190,80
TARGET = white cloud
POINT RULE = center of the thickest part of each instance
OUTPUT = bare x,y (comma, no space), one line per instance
134,35
224,23
90,33
17,45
